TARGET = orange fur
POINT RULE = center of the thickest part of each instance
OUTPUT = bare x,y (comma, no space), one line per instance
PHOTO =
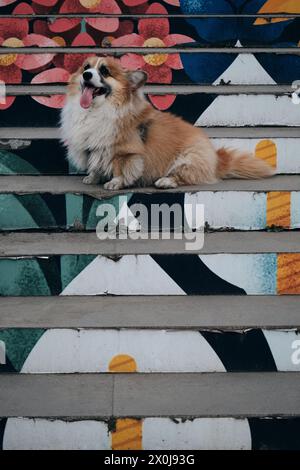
155,147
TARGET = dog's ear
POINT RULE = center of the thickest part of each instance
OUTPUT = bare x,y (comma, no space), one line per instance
137,78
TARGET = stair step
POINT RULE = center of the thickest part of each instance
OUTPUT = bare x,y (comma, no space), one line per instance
73,184
39,153
230,263
218,89
147,312
238,132
46,244
150,395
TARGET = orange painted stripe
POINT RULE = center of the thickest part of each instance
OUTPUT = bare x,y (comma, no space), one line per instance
261,21
262,146
266,150
127,444
294,289
124,426
122,363
270,157
288,273
128,434
287,276
275,195
279,206
283,263
279,209
280,6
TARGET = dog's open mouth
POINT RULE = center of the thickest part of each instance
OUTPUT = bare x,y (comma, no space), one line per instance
88,93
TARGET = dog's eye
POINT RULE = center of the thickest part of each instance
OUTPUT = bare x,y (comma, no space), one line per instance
86,67
104,71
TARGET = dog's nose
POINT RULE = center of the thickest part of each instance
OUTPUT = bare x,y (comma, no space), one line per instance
87,76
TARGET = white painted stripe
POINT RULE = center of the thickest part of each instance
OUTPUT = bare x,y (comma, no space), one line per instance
243,110
225,209
285,348
245,70
70,351
256,273
295,209
46,434
158,433
200,434
91,350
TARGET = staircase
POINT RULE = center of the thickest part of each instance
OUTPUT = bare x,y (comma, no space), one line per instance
141,344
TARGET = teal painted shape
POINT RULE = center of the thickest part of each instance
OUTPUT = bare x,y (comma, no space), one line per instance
13,216
13,164
82,210
74,211
22,277
24,212
116,201
18,344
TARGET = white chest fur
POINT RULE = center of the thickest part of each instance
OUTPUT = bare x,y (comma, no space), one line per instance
93,130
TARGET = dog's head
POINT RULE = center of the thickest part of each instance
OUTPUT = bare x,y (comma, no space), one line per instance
103,78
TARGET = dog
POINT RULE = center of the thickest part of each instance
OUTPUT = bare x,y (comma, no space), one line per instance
111,131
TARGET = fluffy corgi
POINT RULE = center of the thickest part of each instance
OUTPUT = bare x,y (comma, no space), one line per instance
112,131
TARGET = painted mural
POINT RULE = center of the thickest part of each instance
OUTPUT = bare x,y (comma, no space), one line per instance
152,32
27,349
157,433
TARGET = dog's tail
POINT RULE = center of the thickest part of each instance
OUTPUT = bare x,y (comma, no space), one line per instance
237,164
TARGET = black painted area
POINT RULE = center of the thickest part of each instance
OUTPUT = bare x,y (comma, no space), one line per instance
190,107
7,367
56,204
3,422
194,277
25,112
275,434
150,200
46,156
51,269
242,352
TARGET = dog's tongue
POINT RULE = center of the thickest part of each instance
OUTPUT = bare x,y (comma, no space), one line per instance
86,97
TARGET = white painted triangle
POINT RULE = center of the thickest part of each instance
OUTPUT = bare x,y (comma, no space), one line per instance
250,110
130,275
245,70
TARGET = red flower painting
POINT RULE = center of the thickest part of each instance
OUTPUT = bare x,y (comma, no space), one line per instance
15,33
115,31
134,3
108,7
154,32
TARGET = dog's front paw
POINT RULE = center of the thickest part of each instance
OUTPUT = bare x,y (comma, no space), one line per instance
114,184
166,182
90,179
